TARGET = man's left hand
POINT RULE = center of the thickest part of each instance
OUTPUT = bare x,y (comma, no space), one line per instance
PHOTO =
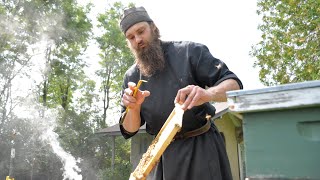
191,96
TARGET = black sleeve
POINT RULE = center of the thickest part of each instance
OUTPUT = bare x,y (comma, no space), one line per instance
209,71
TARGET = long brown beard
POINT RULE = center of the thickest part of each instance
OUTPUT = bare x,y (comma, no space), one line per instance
150,59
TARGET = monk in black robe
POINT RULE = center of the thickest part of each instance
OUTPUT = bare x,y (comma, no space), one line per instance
177,72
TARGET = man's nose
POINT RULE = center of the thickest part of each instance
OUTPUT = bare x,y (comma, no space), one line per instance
138,39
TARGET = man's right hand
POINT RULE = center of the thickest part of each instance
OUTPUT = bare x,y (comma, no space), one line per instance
133,102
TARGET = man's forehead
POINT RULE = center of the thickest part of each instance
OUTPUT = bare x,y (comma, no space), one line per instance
136,27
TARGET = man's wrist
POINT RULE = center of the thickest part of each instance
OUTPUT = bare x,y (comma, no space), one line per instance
136,108
212,93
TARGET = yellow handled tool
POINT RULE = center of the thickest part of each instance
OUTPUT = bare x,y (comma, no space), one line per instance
134,94
8,178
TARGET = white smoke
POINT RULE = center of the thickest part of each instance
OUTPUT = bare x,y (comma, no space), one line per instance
45,120
71,169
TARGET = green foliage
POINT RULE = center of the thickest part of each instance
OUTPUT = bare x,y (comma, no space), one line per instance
14,56
63,60
289,50
122,168
64,30
115,57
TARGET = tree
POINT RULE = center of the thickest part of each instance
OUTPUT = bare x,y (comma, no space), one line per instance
14,55
123,167
62,29
65,29
115,56
67,38
290,47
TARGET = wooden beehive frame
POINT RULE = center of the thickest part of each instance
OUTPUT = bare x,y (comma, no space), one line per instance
165,136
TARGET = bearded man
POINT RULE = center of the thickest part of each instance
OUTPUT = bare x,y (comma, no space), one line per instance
177,72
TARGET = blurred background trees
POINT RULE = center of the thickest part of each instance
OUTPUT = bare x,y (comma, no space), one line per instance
290,47
42,68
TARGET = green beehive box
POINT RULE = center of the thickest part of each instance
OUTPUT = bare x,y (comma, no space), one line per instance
281,130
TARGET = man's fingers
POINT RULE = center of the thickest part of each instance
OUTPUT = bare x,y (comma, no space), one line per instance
127,98
177,99
195,98
189,98
128,92
129,101
183,94
131,84
145,93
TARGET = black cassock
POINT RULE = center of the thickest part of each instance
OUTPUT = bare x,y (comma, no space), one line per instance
196,158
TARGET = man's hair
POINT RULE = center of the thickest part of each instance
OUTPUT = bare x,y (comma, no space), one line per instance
156,32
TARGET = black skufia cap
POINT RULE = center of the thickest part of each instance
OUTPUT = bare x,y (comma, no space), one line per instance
132,16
